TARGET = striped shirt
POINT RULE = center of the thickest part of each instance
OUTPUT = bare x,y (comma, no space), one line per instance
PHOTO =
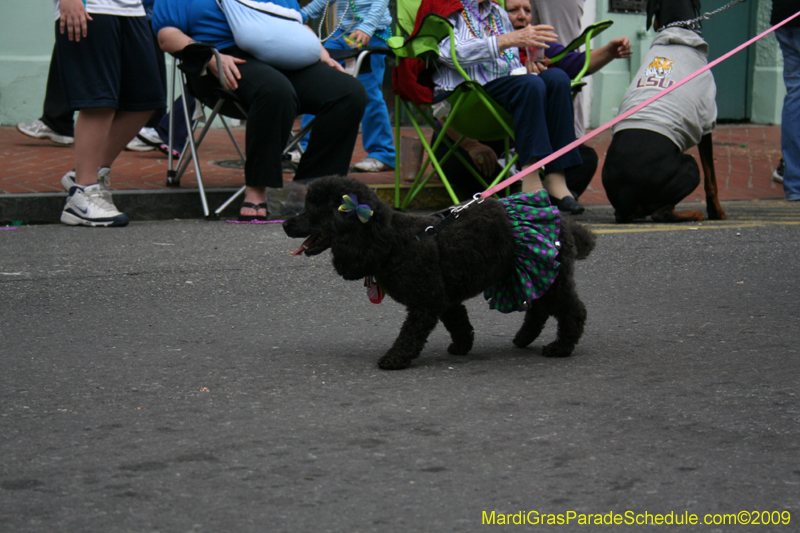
120,8
374,16
480,57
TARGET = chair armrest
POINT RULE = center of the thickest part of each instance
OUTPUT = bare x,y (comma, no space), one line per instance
585,37
425,43
195,56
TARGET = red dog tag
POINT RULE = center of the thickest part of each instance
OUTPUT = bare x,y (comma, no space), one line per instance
375,292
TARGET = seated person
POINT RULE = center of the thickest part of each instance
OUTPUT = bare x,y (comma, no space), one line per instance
274,97
484,156
540,106
646,172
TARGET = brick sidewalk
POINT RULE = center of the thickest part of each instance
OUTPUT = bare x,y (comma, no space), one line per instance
745,157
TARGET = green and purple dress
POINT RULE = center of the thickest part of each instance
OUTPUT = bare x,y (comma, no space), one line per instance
536,225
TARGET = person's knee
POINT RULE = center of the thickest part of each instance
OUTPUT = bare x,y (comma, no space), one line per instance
690,171
530,90
359,95
555,78
272,103
355,97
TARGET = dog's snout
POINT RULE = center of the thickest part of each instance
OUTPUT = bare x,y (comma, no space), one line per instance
296,227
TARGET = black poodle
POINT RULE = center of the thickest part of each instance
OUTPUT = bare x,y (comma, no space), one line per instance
432,264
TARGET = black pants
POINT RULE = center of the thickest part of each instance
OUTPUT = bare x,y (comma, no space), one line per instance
158,114
274,98
56,113
645,171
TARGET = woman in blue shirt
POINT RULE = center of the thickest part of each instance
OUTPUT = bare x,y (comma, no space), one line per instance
274,97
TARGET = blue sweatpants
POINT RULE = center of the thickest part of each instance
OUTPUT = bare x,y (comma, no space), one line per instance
376,128
541,107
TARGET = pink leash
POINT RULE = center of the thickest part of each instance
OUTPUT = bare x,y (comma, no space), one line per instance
626,114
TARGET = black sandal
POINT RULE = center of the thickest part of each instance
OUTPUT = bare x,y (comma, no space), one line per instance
250,218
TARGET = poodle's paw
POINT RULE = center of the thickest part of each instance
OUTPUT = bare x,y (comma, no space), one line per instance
459,348
394,361
524,338
558,349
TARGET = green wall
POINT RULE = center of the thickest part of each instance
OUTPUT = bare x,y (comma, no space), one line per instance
26,43
612,81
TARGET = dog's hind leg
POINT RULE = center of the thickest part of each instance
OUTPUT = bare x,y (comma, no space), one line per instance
535,318
706,149
413,336
456,321
571,315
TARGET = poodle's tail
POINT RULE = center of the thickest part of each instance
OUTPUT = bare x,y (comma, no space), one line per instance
585,240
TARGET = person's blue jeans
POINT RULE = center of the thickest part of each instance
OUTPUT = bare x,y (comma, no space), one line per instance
180,134
376,127
789,39
541,107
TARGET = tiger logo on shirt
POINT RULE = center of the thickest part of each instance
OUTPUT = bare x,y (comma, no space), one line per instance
660,67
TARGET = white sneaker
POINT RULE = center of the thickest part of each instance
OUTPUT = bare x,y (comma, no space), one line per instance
103,179
296,155
39,130
136,145
91,206
370,164
777,176
150,137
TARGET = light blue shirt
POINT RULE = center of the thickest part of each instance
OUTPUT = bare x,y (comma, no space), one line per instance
202,20
375,15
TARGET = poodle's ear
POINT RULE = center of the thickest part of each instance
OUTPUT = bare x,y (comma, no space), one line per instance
360,247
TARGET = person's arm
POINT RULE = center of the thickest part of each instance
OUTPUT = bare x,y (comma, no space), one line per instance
616,49
469,52
325,57
371,18
529,36
73,19
483,157
314,9
172,40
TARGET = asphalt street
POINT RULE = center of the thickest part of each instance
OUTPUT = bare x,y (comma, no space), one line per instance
189,375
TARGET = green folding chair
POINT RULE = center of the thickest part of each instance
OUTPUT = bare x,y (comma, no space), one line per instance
473,114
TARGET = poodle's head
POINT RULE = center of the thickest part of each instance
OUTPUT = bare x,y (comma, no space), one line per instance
346,216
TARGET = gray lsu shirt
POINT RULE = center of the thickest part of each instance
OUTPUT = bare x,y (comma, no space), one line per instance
685,114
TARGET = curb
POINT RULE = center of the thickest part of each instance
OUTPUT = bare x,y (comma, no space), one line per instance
165,204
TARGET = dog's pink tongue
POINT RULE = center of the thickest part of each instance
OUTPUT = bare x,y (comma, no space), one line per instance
305,245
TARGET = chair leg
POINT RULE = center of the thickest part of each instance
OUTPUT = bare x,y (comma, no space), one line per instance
172,176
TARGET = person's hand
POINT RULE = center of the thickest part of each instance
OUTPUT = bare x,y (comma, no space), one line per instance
360,37
531,36
537,67
483,157
326,58
73,19
619,48
230,72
